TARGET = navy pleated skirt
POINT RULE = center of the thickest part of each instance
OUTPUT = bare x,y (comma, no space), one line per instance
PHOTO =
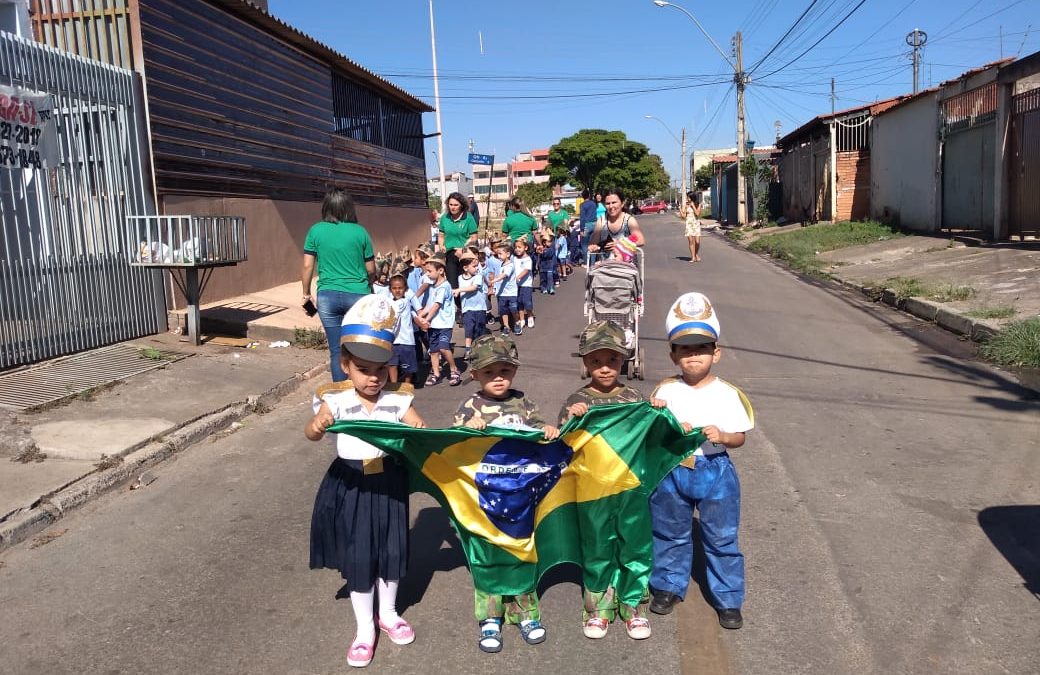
360,523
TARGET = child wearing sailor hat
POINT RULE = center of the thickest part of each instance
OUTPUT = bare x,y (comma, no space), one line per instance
707,480
359,525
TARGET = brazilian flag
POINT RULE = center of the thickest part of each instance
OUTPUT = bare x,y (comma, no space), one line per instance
521,505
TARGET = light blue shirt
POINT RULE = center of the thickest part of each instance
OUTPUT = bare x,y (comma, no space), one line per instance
445,316
525,264
405,308
507,287
475,300
491,268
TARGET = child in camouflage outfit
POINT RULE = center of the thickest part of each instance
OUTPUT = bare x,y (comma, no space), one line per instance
493,362
609,590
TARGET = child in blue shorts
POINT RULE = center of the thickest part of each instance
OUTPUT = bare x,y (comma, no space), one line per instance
525,287
438,316
505,285
472,289
403,362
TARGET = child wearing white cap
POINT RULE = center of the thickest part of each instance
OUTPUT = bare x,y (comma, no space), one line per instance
707,480
359,525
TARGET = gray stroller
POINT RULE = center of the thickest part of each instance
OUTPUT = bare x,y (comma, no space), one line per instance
614,292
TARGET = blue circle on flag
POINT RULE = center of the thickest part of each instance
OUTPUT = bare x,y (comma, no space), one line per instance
513,478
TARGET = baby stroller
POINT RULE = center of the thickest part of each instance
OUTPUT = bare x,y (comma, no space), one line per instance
614,292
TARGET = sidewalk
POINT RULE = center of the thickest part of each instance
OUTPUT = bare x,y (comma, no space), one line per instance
135,424
999,275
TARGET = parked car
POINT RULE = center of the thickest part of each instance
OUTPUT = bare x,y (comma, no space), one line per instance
653,206
633,209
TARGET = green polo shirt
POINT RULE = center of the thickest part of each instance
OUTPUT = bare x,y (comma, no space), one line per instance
457,232
518,224
341,250
558,219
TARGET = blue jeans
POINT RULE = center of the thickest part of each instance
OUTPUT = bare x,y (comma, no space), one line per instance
332,307
713,489
586,232
548,279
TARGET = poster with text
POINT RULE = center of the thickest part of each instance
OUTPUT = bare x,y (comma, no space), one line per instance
28,134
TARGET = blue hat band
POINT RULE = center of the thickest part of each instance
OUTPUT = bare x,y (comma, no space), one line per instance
357,330
693,327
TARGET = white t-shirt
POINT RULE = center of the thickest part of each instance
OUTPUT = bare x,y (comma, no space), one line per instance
442,295
717,403
507,286
525,264
345,404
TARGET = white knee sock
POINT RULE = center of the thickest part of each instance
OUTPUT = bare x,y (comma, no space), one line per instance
363,604
388,602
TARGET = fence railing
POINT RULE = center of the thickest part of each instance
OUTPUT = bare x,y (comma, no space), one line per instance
186,241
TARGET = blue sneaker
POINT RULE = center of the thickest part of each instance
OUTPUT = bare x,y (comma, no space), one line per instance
518,330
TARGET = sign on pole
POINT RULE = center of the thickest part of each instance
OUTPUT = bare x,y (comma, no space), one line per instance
475,158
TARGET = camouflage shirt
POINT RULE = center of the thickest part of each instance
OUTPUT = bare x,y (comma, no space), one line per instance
591,397
512,412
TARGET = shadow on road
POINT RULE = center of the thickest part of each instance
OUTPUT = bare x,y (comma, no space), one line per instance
1015,532
428,555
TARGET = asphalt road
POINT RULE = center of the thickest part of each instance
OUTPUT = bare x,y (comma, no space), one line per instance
890,507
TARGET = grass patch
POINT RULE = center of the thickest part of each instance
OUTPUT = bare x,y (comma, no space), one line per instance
735,235
950,293
309,338
906,287
799,248
998,312
151,353
1018,344
105,462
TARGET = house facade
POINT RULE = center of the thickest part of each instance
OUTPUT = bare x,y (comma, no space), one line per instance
249,117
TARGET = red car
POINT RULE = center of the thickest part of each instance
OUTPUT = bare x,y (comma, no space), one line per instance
653,206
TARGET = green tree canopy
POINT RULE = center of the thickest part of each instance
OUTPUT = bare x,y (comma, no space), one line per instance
598,159
702,177
534,194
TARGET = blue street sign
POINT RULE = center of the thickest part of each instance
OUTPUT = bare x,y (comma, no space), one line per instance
474,158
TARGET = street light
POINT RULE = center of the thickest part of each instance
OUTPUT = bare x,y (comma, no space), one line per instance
740,79
682,153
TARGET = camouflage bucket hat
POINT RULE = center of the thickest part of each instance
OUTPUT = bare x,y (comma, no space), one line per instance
489,349
602,335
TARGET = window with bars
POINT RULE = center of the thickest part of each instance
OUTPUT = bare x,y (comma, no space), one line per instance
853,133
361,114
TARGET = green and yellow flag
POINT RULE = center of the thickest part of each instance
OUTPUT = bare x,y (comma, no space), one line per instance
521,505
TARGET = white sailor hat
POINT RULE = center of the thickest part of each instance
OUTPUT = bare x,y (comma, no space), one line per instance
691,320
367,331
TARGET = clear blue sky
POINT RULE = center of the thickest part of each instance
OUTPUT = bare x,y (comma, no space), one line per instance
563,48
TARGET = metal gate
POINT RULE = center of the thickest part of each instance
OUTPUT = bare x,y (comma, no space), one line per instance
65,281
968,160
1024,167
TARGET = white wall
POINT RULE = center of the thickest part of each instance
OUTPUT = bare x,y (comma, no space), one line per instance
903,164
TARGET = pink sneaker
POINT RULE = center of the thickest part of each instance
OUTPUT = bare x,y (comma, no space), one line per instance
400,633
360,654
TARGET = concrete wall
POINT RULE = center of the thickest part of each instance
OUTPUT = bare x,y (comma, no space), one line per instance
276,230
904,164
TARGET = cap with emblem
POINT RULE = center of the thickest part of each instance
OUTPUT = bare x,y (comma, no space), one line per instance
602,335
368,329
489,349
437,259
691,320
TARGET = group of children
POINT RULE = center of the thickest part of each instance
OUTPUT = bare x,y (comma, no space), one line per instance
428,304
360,524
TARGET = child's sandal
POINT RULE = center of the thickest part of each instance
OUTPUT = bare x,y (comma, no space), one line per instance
490,640
432,380
454,379
533,632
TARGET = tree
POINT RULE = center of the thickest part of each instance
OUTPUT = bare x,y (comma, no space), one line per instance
534,194
598,159
435,202
702,177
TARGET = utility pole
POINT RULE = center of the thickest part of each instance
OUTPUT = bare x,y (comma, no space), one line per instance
832,96
740,78
916,39
685,166
777,125
437,111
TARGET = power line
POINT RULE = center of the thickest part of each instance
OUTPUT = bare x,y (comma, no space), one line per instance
783,37
824,37
571,96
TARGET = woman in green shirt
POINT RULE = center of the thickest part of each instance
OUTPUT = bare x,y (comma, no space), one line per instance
457,230
346,267
518,223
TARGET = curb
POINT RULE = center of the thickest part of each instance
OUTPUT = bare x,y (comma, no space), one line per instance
52,507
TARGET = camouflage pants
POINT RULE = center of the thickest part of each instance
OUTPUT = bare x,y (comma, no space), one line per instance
513,608
605,605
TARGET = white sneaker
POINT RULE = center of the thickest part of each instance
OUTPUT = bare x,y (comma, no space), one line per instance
530,322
